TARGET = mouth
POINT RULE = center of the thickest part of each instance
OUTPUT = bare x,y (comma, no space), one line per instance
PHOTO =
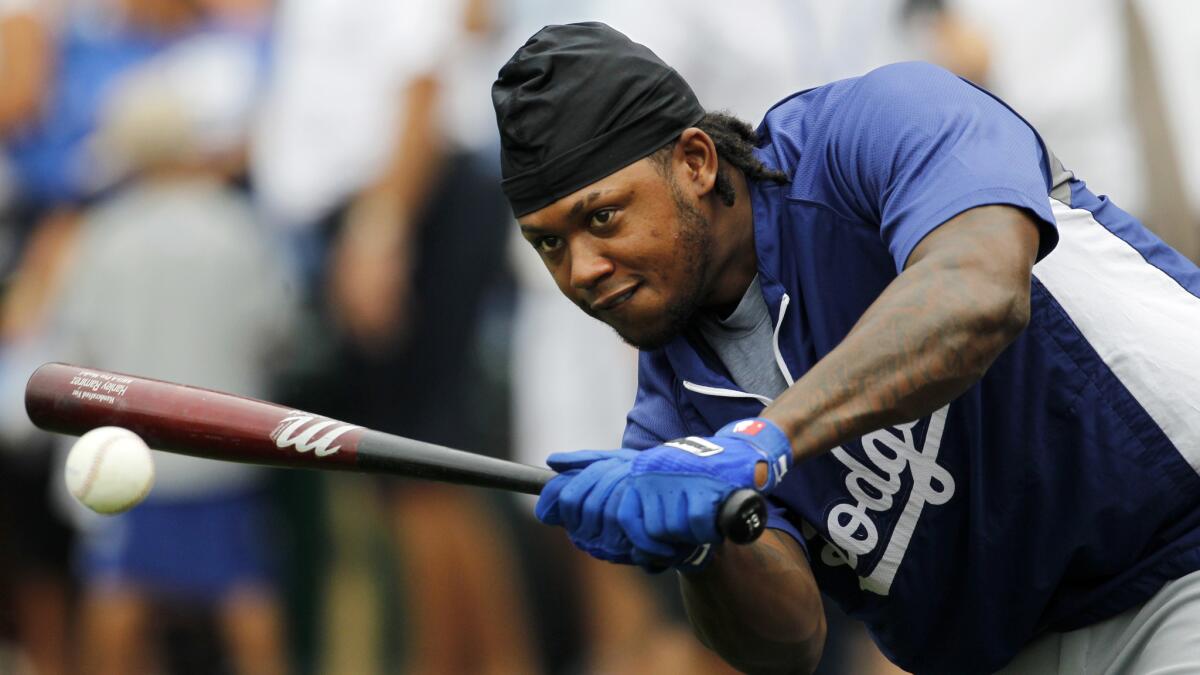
615,299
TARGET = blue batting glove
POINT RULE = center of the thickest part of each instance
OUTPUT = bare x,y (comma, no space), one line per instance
675,491
584,497
562,462
732,455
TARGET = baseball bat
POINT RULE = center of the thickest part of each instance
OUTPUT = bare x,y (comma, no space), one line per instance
206,423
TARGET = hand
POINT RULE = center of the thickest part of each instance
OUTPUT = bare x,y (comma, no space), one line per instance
675,491
658,508
583,499
371,273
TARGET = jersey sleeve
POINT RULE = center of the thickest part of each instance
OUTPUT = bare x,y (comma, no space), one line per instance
911,146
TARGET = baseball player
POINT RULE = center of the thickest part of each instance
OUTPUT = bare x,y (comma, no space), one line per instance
969,386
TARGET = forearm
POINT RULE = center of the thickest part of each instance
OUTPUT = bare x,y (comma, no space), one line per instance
900,363
25,69
419,150
758,606
929,336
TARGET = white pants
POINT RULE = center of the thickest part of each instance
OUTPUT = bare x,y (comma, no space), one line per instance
1159,637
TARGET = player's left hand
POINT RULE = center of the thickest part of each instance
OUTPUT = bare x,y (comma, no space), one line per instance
583,500
655,508
675,491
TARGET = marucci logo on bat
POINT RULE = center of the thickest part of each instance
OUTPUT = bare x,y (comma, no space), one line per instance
306,432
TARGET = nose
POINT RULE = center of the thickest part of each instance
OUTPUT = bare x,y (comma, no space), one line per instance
589,264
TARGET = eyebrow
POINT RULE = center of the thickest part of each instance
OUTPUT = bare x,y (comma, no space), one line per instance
576,209
578,206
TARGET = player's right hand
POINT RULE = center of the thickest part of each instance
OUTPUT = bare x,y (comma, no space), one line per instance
656,508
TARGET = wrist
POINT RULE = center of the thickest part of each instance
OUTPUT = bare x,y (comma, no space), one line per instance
770,441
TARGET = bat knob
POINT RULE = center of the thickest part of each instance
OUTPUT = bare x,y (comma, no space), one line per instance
743,516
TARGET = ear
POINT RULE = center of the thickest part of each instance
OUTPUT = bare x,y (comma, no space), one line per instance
696,156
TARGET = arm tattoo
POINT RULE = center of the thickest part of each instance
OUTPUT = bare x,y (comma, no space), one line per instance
927,338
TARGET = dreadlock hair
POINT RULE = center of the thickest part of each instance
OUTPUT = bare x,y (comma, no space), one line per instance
735,141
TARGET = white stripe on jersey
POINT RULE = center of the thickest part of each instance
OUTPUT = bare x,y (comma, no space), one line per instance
1142,323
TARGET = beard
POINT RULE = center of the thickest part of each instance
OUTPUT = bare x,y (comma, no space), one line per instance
693,257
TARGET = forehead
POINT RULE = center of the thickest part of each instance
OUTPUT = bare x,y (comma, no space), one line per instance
621,182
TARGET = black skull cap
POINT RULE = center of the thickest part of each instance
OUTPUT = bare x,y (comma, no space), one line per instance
578,102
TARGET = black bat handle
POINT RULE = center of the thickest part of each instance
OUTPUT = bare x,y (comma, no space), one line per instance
743,516
741,519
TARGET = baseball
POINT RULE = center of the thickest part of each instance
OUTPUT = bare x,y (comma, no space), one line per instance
109,470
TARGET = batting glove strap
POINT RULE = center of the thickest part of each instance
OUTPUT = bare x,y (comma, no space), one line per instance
768,439
730,456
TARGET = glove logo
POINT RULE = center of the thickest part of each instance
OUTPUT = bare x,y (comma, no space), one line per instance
700,447
749,427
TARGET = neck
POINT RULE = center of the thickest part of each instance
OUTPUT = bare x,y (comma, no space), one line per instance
735,258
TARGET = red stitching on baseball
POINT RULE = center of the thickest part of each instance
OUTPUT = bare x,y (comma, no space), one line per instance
94,469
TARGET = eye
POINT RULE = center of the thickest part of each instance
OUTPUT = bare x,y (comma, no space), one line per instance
602,218
545,245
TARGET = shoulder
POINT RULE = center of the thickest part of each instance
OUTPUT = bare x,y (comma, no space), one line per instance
918,94
898,79
912,95
840,111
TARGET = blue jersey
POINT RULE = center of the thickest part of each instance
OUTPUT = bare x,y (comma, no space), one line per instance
1059,490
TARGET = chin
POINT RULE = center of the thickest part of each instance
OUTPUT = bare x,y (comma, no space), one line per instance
646,337
649,325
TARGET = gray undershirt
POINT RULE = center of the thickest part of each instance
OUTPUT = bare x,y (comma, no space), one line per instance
744,341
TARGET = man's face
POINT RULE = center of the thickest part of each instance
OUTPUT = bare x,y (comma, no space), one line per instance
631,249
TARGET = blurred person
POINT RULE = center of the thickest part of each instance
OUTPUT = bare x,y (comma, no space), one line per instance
36,589
1090,122
847,309
63,57
1124,119
56,60
26,65
1164,55
171,276
796,45
403,232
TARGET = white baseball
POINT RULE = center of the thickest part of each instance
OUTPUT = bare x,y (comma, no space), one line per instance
110,470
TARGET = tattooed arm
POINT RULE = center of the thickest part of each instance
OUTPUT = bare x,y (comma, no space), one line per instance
758,606
933,332
962,298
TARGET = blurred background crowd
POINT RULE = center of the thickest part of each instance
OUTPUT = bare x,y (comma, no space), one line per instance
299,200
